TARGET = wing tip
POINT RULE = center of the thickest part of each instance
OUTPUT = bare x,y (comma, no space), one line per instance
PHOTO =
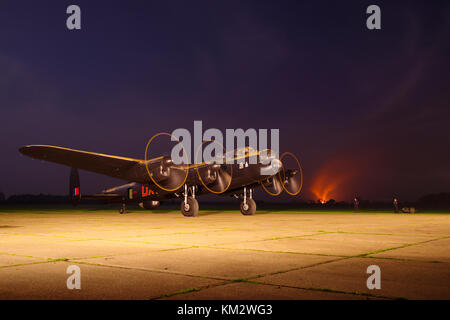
34,147
29,148
24,149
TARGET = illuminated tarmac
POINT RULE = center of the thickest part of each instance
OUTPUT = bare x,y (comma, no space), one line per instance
224,255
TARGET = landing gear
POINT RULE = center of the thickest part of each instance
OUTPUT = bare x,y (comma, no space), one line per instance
248,206
123,208
189,205
189,208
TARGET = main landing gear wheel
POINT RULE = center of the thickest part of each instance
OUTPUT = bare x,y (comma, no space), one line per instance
248,208
123,209
189,209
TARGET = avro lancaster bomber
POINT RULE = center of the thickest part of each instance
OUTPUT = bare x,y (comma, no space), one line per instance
153,181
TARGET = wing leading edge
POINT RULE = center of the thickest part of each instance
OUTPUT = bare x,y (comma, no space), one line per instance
114,166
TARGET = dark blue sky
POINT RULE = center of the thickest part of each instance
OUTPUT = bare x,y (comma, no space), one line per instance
366,111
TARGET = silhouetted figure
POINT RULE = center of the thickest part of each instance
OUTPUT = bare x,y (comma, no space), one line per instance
356,204
395,205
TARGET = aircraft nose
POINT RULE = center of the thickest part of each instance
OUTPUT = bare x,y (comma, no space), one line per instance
271,168
276,164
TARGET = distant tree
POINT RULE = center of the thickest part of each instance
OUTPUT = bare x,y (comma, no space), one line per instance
436,200
34,199
2,197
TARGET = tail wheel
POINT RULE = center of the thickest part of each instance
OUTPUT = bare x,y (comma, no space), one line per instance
248,208
189,209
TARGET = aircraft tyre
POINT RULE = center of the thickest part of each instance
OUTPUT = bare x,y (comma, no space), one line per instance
250,208
191,208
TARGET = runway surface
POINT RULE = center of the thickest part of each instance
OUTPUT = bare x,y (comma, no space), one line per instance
284,255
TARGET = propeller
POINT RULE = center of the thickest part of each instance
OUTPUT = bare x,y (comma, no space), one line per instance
271,165
292,178
291,182
272,185
168,176
164,173
208,175
215,178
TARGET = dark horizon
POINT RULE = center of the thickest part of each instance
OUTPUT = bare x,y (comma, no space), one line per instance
439,201
365,111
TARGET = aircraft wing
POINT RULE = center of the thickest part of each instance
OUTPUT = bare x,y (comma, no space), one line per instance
113,166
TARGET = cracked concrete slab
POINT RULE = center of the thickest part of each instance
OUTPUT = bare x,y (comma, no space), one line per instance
149,255
399,279
251,291
8,260
48,281
227,264
54,247
435,251
341,244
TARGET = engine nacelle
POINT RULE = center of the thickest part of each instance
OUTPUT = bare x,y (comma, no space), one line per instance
162,172
149,204
208,175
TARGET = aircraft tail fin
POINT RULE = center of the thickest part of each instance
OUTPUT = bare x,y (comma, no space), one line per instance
74,187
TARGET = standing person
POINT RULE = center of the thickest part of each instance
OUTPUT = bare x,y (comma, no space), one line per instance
356,203
395,205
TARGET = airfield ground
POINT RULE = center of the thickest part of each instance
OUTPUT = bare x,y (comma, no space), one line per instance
223,255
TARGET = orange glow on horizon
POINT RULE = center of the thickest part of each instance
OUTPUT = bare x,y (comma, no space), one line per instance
333,179
325,187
